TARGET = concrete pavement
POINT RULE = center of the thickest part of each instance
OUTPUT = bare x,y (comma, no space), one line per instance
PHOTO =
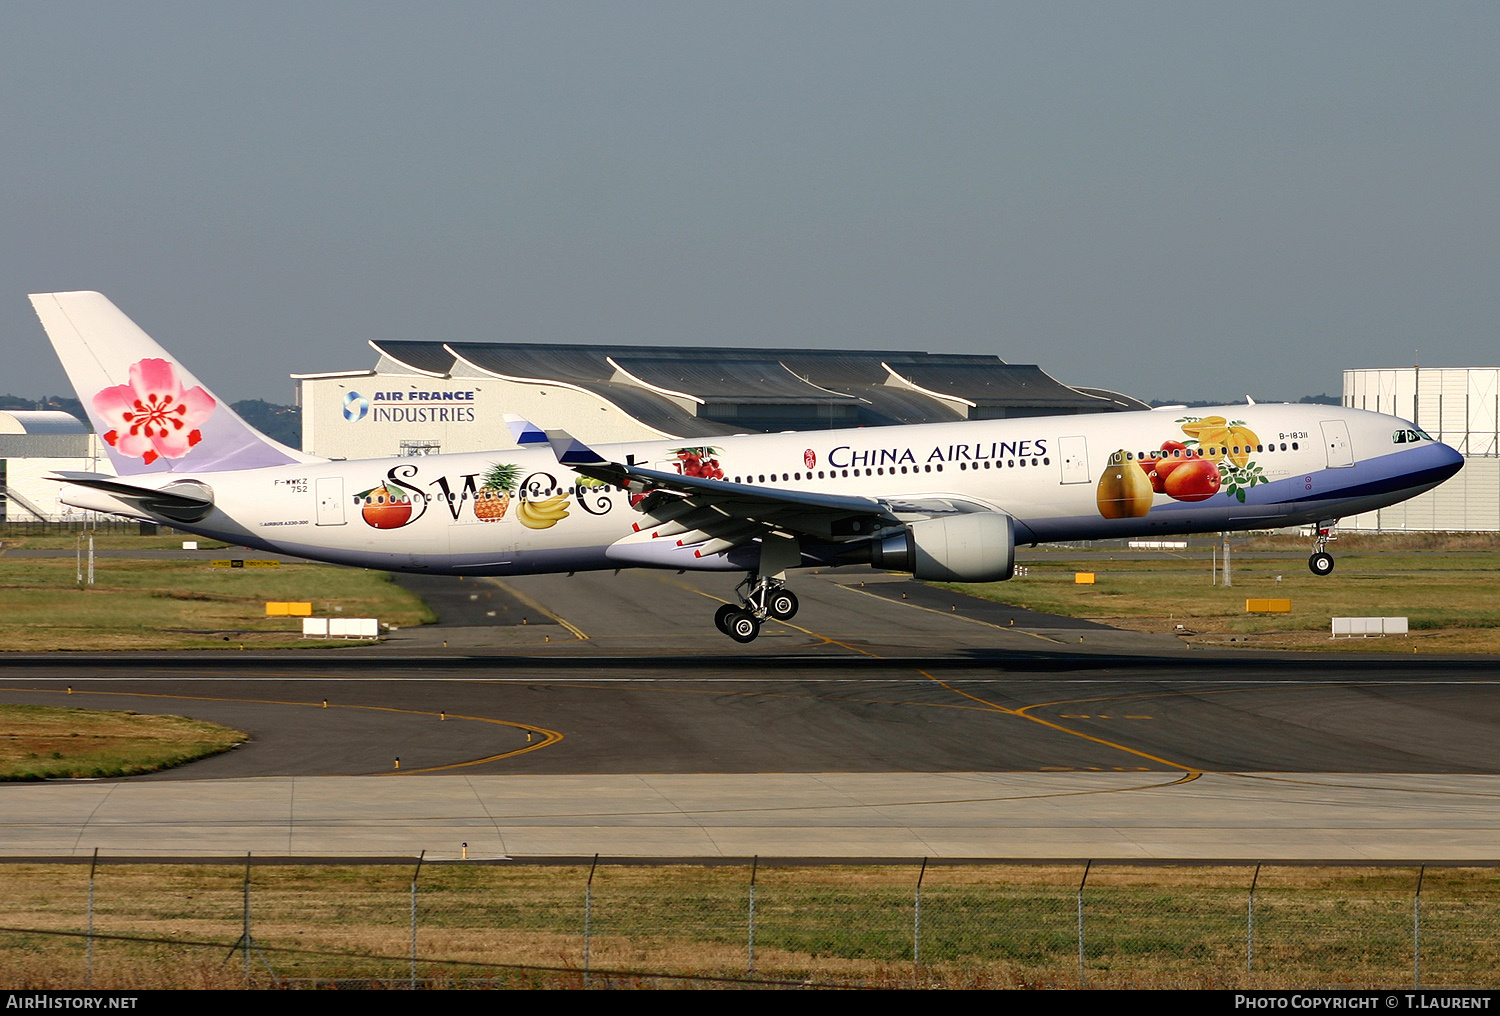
1126,816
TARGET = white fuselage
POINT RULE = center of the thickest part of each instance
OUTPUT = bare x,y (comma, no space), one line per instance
1278,465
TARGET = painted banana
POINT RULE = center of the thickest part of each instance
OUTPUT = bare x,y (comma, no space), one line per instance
543,514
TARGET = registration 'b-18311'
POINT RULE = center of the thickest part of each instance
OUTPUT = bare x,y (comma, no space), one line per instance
943,501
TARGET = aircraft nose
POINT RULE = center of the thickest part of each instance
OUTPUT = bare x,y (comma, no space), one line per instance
1449,459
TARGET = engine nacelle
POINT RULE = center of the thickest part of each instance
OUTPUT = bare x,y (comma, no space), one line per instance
974,547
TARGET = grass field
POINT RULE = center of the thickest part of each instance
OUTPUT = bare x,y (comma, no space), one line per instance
52,742
113,541
979,926
1449,588
182,604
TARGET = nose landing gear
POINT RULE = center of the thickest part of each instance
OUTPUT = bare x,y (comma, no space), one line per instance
760,598
1321,562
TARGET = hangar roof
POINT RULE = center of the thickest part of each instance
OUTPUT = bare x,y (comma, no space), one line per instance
45,421
705,391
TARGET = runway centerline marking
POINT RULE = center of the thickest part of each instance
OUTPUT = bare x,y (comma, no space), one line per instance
1190,773
534,605
549,737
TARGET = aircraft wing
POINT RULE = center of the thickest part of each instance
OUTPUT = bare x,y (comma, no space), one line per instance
718,515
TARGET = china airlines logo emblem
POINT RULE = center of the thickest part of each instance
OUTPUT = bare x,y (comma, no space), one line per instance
810,458
153,416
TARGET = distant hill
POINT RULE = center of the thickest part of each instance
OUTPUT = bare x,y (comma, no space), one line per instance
1322,399
54,403
279,423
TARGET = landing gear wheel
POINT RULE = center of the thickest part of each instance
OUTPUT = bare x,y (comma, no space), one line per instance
1320,563
721,617
743,626
782,605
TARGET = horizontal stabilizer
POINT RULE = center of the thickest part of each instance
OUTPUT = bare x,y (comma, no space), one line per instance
181,501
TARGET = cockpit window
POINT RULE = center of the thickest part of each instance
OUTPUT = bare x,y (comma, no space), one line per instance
1420,435
1399,437
1409,436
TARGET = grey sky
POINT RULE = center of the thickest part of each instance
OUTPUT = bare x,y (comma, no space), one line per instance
1172,199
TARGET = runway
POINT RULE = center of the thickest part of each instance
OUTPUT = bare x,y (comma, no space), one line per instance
615,721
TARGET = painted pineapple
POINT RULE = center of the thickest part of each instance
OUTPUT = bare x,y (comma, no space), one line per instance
493,499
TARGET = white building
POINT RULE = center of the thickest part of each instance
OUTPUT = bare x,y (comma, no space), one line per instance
33,444
1459,406
427,397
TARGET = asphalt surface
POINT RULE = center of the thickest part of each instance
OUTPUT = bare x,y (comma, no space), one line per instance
872,676
467,603
823,718
887,719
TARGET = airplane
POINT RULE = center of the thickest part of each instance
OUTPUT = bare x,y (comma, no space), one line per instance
942,501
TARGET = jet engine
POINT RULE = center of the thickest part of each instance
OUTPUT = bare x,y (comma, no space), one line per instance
973,547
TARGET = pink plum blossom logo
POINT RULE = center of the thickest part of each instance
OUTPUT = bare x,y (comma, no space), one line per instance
153,417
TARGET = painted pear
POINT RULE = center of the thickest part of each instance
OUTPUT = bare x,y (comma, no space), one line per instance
1124,489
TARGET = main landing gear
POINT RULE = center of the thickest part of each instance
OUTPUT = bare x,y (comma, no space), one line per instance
1321,562
760,598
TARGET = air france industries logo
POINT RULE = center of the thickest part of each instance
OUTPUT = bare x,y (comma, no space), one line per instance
356,406
418,406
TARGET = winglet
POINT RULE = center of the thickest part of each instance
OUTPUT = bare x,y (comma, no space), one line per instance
524,432
572,452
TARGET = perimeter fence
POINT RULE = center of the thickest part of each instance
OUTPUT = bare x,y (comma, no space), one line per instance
12,528
745,923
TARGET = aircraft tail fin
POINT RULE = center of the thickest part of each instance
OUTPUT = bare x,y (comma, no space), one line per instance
151,413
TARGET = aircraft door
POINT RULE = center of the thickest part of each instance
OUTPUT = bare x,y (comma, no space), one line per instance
1073,453
330,493
1336,443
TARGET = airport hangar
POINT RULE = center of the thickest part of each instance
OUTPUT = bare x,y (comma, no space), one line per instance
32,445
423,398
1459,406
